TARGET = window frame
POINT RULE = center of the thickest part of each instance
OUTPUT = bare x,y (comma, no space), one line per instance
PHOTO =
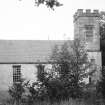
89,33
16,73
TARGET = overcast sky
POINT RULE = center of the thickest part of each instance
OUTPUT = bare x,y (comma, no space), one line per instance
22,20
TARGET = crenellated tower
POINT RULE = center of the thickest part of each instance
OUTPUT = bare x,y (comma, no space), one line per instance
87,29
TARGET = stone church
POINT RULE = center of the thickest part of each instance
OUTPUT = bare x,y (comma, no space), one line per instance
22,56
86,28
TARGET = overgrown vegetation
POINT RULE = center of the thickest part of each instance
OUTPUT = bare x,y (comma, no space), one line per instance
72,67
63,83
16,92
101,86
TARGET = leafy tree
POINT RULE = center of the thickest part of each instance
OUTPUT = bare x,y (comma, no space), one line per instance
103,82
49,3
101,85
70,64
102,38
71,67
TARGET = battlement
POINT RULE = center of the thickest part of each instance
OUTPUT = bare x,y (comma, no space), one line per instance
86,13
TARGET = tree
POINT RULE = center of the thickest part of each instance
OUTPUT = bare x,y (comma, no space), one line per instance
49,3
101,85
65,79
71,67
38,89
102,31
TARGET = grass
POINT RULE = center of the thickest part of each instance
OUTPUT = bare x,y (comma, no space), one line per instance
66,102
69,102
89,98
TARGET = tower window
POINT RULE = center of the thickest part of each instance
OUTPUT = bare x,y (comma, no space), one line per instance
16,73
89,32
93,60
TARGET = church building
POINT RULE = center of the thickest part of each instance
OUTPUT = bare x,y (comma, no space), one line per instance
22,56
87,29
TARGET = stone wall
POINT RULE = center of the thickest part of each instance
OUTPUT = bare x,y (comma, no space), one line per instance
81,19
89,18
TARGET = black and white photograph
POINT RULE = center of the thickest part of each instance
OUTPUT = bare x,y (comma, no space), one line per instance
52,52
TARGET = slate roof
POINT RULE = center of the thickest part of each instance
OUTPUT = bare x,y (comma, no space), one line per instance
26,51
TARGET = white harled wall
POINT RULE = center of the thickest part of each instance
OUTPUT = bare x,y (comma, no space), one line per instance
29,71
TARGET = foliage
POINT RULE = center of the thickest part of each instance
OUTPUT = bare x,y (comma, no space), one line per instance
102,40
65,79
48,3
72,66
69,68
102,32
37,90
101,85
16,91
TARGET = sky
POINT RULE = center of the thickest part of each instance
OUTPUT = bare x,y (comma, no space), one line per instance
22,20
